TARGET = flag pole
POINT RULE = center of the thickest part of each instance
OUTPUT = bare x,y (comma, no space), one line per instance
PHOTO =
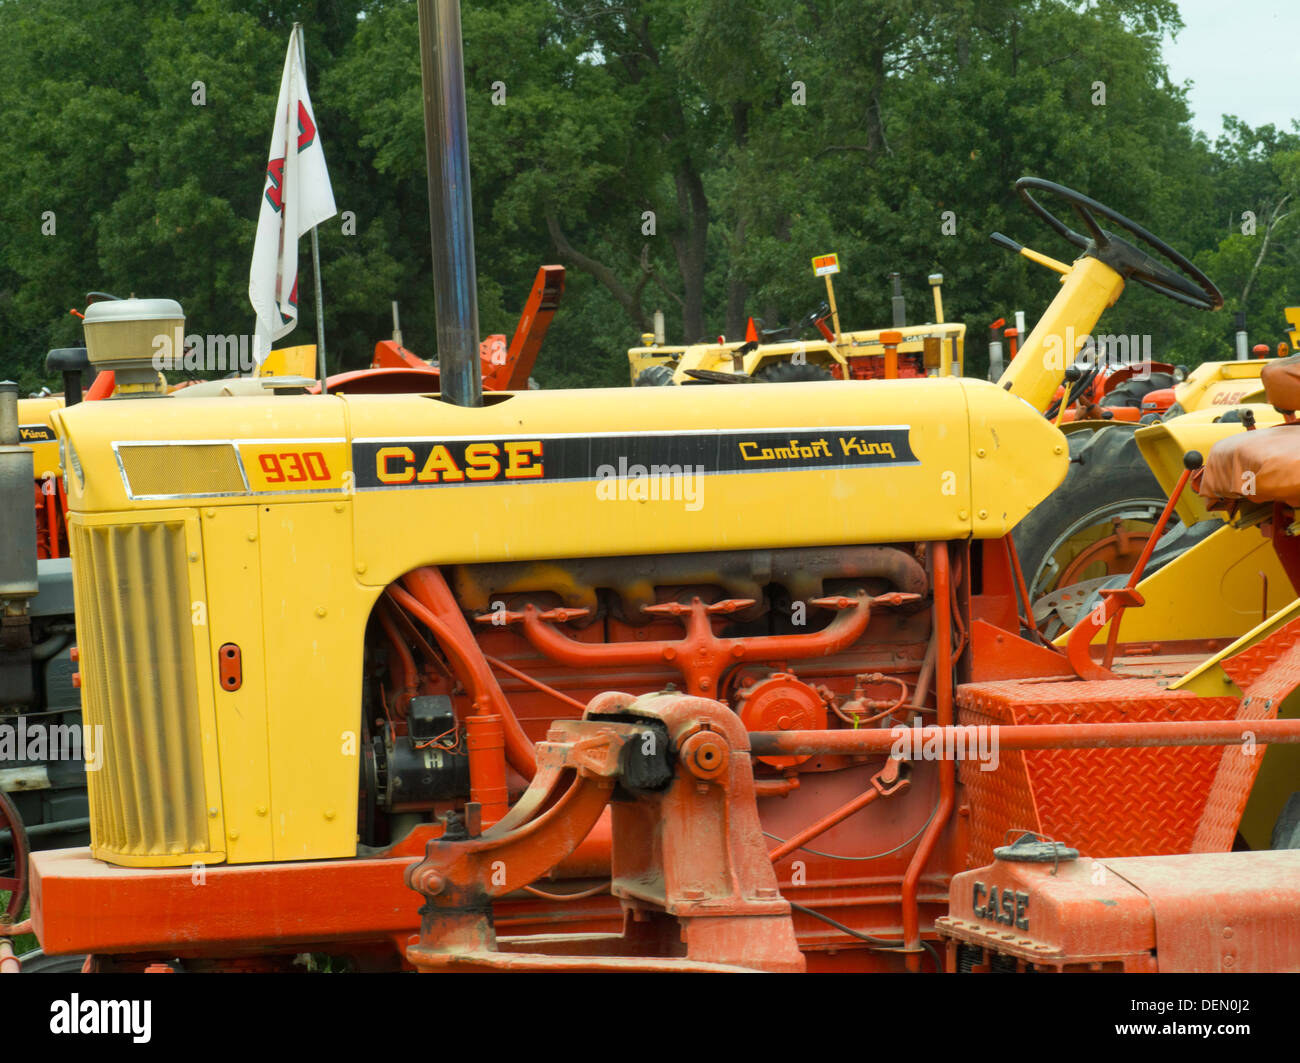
320,310
315,240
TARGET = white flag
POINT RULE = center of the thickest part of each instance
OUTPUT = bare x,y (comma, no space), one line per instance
296,196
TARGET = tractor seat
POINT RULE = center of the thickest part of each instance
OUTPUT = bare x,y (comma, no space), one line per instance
1262,466
1281,380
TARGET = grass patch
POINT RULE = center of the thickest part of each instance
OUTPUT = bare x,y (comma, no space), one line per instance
23,943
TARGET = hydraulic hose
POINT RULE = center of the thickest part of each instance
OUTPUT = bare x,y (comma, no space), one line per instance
428,598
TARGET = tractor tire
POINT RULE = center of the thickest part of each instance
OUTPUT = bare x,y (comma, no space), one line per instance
1286,831
36,962
789,372
1108,480
654,376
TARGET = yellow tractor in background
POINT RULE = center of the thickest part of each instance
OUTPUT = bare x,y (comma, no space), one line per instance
1093,528
902,351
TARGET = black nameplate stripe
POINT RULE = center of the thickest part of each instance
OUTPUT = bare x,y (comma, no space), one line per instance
35,433
523,459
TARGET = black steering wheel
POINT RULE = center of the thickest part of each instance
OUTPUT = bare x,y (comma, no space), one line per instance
1186,284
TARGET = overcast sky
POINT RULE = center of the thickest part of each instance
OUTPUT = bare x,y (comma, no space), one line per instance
1242,57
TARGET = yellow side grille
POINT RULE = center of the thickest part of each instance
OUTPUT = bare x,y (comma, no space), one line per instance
181,469
136,643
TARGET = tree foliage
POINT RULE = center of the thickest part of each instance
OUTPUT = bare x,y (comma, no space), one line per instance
688,156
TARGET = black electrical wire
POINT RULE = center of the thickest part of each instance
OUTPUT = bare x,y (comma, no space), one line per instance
882,942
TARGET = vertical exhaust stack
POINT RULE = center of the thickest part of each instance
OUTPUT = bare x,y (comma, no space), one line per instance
451,215
17,517
18,577
898,302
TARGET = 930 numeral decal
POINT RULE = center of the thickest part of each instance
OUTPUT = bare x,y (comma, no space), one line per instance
294,467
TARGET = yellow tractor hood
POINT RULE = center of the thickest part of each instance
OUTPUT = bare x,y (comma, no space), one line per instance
587,473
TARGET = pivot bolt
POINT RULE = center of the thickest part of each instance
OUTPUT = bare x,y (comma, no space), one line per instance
705,755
